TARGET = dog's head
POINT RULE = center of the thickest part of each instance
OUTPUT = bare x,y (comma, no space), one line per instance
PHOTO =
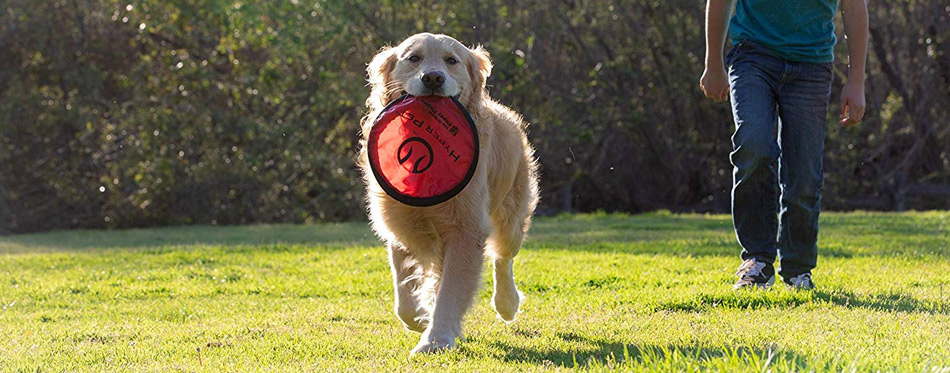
427,64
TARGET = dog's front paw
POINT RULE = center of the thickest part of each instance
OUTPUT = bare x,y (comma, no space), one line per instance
433,344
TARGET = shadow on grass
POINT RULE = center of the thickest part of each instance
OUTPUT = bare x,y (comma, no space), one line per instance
588,352
654,233
340,235
893,302
886,302
845,235
695,235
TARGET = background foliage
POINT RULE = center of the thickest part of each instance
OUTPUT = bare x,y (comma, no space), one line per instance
135,113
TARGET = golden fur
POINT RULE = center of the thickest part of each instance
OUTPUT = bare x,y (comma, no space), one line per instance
436,252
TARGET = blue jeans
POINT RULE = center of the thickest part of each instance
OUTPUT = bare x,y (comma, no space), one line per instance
780,108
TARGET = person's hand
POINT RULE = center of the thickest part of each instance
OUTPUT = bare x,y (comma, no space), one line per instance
852,103
715,83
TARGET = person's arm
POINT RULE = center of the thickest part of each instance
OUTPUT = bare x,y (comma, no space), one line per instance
715,83
855,17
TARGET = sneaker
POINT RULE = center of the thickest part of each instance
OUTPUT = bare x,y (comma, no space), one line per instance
754,273
801,282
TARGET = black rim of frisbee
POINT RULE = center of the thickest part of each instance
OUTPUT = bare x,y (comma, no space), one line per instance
420,201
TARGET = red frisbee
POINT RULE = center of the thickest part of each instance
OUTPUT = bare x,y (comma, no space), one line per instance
423,150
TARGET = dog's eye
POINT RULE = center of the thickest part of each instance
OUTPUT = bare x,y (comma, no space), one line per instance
451,60
414,58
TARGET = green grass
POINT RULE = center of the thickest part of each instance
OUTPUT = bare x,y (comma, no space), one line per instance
650,292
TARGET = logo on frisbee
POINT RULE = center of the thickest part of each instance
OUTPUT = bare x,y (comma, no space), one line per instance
427,158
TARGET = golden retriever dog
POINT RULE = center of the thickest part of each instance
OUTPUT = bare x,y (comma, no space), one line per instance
437,252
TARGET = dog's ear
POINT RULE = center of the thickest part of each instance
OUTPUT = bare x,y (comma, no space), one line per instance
479,68
379,73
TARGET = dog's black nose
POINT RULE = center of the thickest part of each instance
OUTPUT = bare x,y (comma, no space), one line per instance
433,79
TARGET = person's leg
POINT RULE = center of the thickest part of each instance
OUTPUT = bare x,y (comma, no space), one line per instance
753,79
803,109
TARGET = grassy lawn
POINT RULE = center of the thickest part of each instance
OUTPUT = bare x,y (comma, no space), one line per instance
650,292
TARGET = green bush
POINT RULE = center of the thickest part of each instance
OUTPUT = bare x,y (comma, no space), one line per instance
116,114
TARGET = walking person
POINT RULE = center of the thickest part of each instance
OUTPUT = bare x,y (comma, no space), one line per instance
778,78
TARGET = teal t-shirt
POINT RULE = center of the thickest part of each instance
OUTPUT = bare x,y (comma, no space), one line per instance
797,30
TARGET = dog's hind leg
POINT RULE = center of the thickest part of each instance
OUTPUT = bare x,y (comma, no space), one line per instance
510,220
504,244
406,280
460,276
506,298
